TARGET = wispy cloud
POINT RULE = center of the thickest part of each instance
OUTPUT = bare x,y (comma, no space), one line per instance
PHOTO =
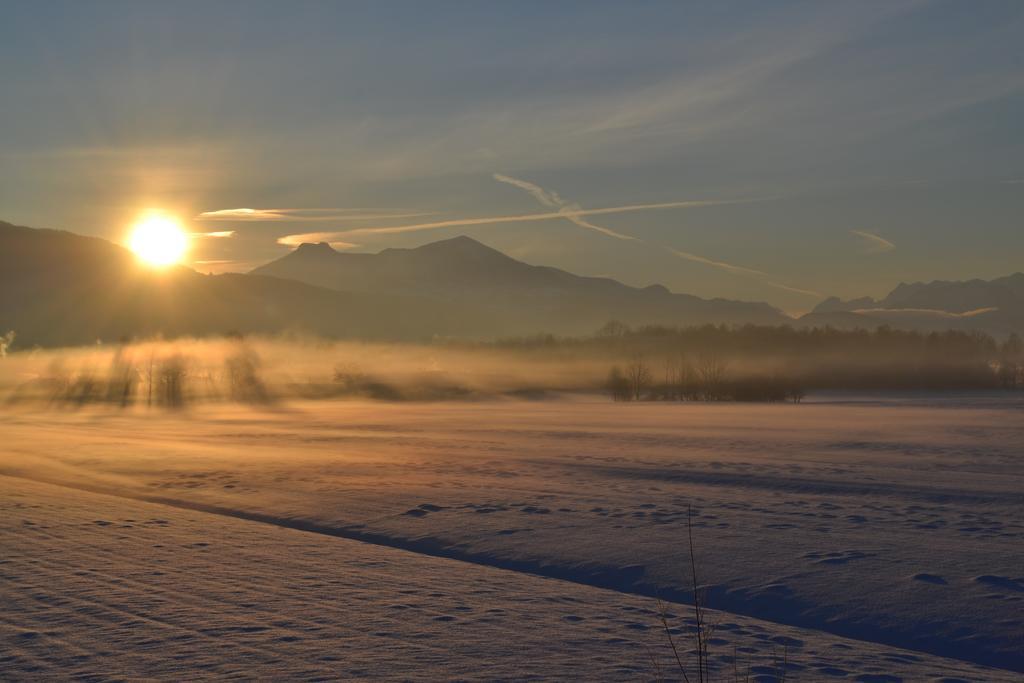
313,238
217,266
217,233
926,311
875,243
239,215
306,215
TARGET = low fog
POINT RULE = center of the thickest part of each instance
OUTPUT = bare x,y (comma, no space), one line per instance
698,364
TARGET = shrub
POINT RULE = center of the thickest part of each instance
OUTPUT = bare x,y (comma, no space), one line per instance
618,385
170,378
243,376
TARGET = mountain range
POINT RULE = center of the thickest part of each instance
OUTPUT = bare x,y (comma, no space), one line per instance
995,306
524,298
955,297
59,288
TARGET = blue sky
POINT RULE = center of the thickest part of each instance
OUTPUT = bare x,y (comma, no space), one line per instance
805,149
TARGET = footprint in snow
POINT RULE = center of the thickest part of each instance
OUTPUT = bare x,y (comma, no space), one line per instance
930,578
833,671
1001,582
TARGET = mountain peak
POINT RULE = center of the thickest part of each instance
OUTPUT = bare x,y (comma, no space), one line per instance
462,249
318,248
462,244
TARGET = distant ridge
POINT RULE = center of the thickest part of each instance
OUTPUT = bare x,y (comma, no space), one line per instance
995,306
59,288
527,298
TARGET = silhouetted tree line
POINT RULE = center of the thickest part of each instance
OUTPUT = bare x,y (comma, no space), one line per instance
778,363
167,381
705,379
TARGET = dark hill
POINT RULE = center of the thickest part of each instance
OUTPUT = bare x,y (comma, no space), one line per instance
59,288
524,298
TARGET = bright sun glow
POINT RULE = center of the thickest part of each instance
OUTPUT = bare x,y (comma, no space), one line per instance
158,240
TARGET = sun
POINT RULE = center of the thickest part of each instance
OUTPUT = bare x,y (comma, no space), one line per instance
158,240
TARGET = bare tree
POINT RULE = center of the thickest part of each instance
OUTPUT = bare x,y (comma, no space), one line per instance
149,373
171,376
613,328
1011,357
121,378
710,372
639,377
684,379
242,368
667,390
618,385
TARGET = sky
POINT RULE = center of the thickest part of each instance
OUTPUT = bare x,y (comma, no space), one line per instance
768,151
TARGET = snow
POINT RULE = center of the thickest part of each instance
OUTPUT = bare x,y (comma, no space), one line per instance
874,538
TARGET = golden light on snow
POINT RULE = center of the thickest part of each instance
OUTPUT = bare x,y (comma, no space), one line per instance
158,240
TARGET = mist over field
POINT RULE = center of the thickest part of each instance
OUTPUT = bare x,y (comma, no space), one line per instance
650,363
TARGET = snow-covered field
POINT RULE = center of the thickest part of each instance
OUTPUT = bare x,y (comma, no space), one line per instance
867,527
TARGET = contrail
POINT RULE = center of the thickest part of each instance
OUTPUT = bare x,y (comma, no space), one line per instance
529,217
553,200
543,196
574,212
879,243
716,264
604,231
795,290
565,210
305,215
219,233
